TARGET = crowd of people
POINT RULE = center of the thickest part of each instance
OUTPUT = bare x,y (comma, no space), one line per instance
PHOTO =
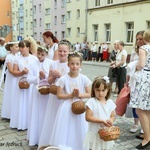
48,118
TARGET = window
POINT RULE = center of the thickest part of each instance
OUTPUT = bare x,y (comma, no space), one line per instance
78,13
26,25
108,32
35,35
26,13
55,33
109,1
148,24
12,4
62,3
130,29
34,22
48,25
97,2
69,31
55,20
62,18
47,11
55,4
68,1
34,9
95,27
41,36
63,34
68,14
31,12
31,25
40,22
78,31
39,7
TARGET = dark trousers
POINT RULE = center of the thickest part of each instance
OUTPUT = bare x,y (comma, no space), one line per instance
121,78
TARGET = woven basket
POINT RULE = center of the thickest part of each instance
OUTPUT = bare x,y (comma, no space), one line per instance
78,107
44,90
23,84
109,133
53,89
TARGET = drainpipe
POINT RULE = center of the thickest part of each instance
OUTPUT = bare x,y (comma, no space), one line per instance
86,19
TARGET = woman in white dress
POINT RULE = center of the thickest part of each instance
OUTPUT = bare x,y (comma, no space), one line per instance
57,69
22,97
10,80
99,113
140,97
38,73
52,45
69,129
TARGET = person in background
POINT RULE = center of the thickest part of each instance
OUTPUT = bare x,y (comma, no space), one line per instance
3,51
100,113
87,48
52,45
33,45
77,47
83,49
104,47
112,71
100,53
140,96
94,51
120,65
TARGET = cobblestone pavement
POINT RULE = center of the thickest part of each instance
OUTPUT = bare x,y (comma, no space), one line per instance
12,139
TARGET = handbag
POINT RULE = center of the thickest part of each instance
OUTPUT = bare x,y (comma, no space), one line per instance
122,101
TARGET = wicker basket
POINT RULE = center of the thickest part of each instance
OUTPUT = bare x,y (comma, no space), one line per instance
44,90
53,89
23,84
109,133
78,107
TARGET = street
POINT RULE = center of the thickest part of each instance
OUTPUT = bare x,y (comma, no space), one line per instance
11,139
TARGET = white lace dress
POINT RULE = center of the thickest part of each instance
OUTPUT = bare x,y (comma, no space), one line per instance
140,97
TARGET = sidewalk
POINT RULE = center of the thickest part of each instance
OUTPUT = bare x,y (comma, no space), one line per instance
97,63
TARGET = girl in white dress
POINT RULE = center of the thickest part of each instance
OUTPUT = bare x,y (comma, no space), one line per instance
38,72
69,129
52,45
22,97
57,69
99,114
10,80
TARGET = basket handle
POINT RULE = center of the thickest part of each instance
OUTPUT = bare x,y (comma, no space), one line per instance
22,78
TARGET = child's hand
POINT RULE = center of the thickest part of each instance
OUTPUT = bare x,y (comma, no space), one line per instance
75,93
25,71
42,75
55,73
107,123
110,122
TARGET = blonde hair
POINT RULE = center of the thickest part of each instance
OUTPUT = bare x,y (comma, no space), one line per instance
33,45
146,35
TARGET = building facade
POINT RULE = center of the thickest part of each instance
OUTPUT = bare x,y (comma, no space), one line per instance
5,20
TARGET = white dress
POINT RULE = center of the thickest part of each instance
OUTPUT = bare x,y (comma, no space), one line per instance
103,111
52,50
38,101
52,107
8,95
21,104
69,129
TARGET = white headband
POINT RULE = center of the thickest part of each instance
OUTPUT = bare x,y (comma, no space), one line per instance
13,42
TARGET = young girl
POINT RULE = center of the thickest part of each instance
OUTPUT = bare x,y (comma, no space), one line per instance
99,114
22,97
69,129
57,69
38,72
10,80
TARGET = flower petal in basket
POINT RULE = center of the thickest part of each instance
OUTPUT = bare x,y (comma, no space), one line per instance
109,133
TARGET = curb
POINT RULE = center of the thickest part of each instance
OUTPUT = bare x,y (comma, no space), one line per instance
100,64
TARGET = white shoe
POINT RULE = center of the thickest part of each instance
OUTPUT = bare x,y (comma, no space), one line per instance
134,128
141,131
115,95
